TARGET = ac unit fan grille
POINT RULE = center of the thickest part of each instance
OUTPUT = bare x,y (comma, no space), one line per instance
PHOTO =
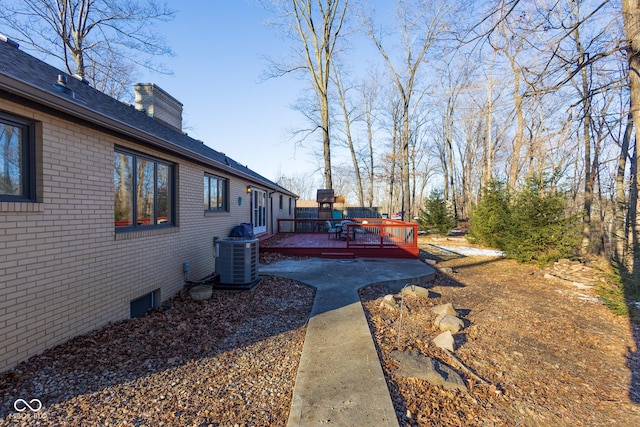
237,261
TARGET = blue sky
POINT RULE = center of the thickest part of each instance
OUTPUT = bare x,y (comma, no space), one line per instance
217,69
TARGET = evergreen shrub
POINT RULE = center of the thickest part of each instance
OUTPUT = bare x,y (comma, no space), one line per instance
490,218
436,215
530,225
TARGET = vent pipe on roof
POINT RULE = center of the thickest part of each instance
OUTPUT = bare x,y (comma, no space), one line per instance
61,85
62,80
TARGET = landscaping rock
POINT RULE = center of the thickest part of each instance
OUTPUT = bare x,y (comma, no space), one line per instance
431,261
575,273
389,302
447,322
446,270
445,309
415,365
416,291
201,292
444,340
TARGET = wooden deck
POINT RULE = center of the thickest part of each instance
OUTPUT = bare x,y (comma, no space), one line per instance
323,245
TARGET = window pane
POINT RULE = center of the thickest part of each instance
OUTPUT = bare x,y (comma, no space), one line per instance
206,193
123,187
222,193
214,193
146,196
163,193
11,140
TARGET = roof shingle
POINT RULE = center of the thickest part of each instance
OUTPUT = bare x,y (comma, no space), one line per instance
38,75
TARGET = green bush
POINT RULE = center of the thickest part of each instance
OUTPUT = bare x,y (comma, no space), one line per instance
530,225
436,215
541,230
491,216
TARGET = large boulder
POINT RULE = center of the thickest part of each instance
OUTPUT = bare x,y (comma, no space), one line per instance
445,309
389,302
415,365
447,322
445,340
415,291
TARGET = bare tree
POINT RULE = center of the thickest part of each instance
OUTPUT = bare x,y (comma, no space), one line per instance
300,184
369,94
420,27
511,45
97,40
349,115
316,28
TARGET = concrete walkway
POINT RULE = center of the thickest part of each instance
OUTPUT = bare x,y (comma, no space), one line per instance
340,380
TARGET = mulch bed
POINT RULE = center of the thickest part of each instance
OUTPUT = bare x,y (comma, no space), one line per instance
551,356
229,360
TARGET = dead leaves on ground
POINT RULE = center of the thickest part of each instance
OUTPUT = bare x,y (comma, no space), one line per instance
230,360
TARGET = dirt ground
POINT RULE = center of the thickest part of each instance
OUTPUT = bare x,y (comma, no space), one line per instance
551,354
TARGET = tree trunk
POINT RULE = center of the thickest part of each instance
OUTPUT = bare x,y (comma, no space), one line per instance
371,164
369,94
589,178
319,42
620,228
634,222
489,149
347,129
326,143
517,143
406,186
392,169
631,15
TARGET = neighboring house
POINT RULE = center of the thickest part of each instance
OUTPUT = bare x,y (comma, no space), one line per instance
101,204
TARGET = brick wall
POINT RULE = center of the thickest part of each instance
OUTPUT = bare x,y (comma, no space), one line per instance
63,269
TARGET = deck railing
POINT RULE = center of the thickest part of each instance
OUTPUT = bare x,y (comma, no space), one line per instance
374,233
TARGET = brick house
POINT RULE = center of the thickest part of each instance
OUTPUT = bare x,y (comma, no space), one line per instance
101,203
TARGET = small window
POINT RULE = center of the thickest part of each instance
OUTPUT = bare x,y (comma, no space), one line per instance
215,194
17,160
140,306
290,203
144,191
281,202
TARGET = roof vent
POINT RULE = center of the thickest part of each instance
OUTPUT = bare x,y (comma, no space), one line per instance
61,85
62,80
8,41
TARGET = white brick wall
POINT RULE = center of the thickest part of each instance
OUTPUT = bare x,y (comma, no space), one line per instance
63,269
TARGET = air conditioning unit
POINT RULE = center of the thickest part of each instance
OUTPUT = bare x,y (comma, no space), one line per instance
237,261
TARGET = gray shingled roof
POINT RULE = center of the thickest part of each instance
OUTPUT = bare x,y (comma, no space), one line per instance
32,73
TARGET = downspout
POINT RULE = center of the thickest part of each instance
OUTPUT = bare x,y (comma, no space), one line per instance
271,210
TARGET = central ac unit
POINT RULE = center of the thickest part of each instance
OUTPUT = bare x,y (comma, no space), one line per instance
237,260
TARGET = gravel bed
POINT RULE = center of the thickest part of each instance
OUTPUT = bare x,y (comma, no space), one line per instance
230,360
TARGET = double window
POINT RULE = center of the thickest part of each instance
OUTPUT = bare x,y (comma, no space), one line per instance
17,160
144,191
215,194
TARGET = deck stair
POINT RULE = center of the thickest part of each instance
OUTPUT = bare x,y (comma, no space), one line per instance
337,255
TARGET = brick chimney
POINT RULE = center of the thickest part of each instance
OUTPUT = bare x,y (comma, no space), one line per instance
158,104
